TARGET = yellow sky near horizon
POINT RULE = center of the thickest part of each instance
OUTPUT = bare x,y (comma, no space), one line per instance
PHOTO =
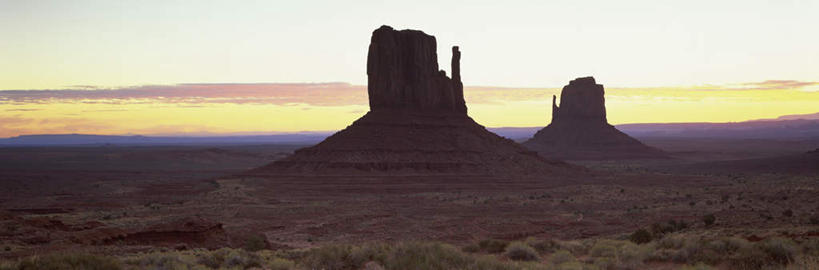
265,109
102,49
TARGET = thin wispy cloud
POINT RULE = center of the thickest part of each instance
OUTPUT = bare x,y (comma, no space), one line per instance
763,85
314,94
780,84
318,94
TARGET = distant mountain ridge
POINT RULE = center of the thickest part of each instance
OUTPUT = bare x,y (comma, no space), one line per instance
89,139
757,129
785,127
796,116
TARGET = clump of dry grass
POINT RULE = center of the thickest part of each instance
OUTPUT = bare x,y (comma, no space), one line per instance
520,251
689,251
69,261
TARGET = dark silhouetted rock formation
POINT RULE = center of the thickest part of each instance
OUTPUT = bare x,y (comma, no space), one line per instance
417,123
579,129
581,101
402,72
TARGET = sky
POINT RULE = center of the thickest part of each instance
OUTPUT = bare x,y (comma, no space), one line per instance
183,67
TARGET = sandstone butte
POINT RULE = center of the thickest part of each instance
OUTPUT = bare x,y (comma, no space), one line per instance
580,131
417,123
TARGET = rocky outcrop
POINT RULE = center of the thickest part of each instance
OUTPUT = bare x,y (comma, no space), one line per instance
402,73
580,101
190,231
579,129
417,123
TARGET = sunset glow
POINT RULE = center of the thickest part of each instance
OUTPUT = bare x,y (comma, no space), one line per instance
168,67
271,108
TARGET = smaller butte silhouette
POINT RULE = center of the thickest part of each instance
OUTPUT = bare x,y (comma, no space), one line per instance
417,123
580,131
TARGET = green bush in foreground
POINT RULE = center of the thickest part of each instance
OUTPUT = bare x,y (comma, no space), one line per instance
493,245
562,257
779,250
709,219
640,236
411,255
542,246
255,243
69,261
682,251
520,251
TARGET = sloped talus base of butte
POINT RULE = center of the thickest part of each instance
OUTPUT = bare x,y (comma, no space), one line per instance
406,142
589,141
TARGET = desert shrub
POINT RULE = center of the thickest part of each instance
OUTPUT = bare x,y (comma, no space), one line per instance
471,248
241,259
330,257
709,219
772,253
229,258
360,255
731,245
570,266
640,236
577,248
631,256
671,242
603,249
70,261
520,251
804,262
561,257
280,264
424,256
162,261
699,266
255,243
680,256
779,250
417,255
702,252
605,262
678,224
661,228
213,259
662,255
412,255
748,259
713,251
7,266
493,245
542,246
810,247
787,213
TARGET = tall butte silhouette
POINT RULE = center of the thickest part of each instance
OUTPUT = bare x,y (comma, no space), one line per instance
417,123
580,131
